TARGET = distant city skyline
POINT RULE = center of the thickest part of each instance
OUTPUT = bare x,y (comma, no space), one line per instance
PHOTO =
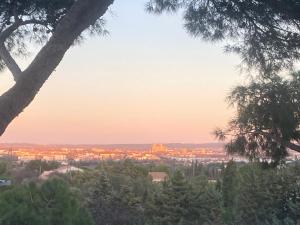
147,82
155,152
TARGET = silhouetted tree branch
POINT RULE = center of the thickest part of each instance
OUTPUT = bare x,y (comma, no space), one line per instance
266,34
67,27
267,122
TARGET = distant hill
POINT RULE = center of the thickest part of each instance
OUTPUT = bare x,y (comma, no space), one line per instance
213,145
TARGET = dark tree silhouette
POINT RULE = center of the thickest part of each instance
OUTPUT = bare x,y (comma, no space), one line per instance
57,24
267,123
265,33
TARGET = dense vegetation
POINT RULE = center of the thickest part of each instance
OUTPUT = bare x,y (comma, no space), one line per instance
115,193
267,120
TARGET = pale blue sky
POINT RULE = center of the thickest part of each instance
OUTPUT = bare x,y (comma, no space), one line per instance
148,81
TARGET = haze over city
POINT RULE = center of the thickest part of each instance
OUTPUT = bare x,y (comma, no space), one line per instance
145,82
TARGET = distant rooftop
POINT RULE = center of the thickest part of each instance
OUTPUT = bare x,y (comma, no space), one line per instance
158,176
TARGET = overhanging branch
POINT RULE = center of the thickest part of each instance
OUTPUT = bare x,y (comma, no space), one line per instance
16,25
10,62
5,54
81,15
294,147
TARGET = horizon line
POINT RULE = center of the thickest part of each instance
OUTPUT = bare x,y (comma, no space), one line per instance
93,144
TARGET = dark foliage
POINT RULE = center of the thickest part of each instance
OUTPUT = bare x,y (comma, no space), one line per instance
265,33
268,119
49,204
246,194
24,21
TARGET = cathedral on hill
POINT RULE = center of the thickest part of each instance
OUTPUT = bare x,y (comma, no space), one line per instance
158,148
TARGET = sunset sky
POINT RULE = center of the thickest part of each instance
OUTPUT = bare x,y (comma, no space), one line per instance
147,82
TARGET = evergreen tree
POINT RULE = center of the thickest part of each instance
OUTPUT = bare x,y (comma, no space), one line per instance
267,119
205,203
3,168
229,191
258,202
52,203
111,206
99,201
170,207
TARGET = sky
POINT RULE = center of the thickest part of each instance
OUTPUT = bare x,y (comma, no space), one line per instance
148,81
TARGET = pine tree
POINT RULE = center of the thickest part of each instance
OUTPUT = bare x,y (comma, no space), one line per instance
259,198
52,203
114,207
170,207
100,199
229,191
205,203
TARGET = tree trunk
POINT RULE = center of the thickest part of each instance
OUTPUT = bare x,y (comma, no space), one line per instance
82,14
